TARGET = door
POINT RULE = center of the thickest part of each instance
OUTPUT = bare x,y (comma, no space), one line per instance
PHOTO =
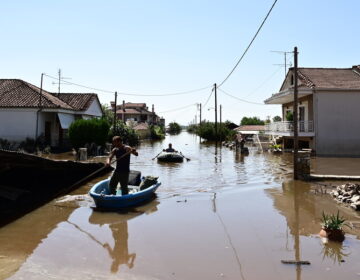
48,133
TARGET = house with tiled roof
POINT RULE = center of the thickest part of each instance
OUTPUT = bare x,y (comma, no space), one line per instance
328,110
137,112
27,111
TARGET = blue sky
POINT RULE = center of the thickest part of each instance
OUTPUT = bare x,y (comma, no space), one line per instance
159,47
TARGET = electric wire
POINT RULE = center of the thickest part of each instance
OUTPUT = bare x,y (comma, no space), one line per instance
240,99
248,47
204,106
264,82
178,109
125,93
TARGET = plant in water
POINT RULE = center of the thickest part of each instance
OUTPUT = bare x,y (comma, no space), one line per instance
333,222
332,226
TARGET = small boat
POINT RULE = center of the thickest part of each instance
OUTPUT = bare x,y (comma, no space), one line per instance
100,193
170,157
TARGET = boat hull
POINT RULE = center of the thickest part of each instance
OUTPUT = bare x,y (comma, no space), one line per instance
99,192
170,157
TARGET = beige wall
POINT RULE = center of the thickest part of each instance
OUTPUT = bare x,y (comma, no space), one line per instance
337,123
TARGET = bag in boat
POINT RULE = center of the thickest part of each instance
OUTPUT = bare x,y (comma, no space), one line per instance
148,181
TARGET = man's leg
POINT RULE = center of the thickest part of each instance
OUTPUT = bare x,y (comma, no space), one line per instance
124,180
115,179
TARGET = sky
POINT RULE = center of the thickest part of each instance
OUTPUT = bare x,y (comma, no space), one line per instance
163,47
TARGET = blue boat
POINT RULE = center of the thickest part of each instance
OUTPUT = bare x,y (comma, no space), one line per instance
101,195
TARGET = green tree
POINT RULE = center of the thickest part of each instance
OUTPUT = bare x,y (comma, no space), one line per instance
108,113
277,119
174,128
128,135
251,121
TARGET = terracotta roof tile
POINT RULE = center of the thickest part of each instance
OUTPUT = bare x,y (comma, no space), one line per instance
330,78
79,101
18,93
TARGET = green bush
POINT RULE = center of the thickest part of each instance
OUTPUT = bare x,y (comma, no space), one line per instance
192,128
88,131
207,131
174,128
157,132
128,135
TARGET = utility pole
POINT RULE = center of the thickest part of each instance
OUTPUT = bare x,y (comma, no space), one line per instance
216,130
200,115
220,122
295,115
220,114
40,104
114,125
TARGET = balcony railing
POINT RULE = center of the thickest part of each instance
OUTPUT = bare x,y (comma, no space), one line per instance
303,126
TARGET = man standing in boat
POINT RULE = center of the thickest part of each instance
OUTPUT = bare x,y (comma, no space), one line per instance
122,171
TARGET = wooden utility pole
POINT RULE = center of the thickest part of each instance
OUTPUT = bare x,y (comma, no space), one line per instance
40,105
295,115
200,115
114,125
216,130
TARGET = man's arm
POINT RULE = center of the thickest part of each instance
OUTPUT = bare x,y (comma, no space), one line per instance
132,151
112,154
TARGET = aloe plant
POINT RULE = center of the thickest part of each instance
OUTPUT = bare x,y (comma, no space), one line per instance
333,222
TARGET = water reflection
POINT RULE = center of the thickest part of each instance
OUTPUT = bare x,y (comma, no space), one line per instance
118,224
335,251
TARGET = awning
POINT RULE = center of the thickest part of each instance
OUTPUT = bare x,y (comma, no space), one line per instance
65,120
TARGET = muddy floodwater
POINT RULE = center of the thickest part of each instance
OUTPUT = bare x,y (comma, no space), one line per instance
220,215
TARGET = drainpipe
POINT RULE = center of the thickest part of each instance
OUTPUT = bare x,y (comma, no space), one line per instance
38,111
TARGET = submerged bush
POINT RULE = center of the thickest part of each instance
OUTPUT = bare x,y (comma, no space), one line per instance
206,130
157,132
174,128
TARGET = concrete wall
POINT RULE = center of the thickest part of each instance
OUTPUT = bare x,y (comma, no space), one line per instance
94,109
17,124
337,125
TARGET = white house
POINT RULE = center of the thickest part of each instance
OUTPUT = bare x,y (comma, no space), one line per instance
25,112
328,110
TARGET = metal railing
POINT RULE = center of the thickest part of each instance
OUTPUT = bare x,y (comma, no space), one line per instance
303,126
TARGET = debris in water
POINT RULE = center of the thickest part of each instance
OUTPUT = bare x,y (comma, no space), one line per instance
295,262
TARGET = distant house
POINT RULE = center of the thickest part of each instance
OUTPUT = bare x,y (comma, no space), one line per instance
328,110
25,113
250,129
137,112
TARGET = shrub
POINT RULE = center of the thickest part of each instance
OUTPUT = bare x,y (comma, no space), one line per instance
174,128
128,135
207,131
88,131
157,132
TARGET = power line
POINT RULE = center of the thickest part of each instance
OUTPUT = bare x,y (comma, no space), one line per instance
257,32
208,99
264,82
125,93
240,99
177,109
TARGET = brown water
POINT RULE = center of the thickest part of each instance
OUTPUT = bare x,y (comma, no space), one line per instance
219,216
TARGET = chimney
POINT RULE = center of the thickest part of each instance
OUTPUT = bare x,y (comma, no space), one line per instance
153,108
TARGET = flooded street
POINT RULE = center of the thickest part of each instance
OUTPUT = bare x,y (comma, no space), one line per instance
220,215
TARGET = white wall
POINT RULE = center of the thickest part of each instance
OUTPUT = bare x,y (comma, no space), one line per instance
337,123
17,124
94,109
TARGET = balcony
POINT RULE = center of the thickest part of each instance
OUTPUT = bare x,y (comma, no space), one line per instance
305,128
